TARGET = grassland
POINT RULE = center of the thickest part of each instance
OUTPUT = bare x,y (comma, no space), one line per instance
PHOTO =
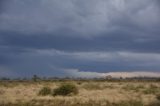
91,93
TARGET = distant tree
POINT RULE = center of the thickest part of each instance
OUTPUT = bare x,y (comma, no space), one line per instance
158,79
24,79
121,78
5,79
35,78
44,78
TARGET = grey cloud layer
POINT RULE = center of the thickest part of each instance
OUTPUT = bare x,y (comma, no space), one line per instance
87,18
87,35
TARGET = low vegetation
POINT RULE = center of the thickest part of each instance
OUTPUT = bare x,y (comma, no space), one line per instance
79,93
92,86
158,97
152,89
45,91
66,89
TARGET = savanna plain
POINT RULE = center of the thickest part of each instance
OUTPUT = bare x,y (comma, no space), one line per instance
80,93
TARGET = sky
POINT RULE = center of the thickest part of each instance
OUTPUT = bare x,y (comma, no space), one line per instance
79,38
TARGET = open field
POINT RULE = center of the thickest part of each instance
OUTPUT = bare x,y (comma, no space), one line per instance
91,93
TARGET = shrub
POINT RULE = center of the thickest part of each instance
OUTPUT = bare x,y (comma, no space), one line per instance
91,86
150,91
129,87
79,83
45,91
140,87
65,89
158,97
152,86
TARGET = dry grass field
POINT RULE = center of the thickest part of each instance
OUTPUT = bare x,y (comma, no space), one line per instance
91,93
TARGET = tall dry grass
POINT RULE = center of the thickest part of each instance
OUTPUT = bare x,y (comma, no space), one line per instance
91,93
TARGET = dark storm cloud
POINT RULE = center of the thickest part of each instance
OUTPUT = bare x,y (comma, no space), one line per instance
87,18
99,36
113,41
2,3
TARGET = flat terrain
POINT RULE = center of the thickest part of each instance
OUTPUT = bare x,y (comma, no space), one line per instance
91,93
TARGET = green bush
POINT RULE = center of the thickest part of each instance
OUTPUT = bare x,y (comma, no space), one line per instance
65,89
45,91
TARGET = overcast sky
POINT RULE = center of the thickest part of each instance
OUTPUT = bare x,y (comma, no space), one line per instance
78,37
